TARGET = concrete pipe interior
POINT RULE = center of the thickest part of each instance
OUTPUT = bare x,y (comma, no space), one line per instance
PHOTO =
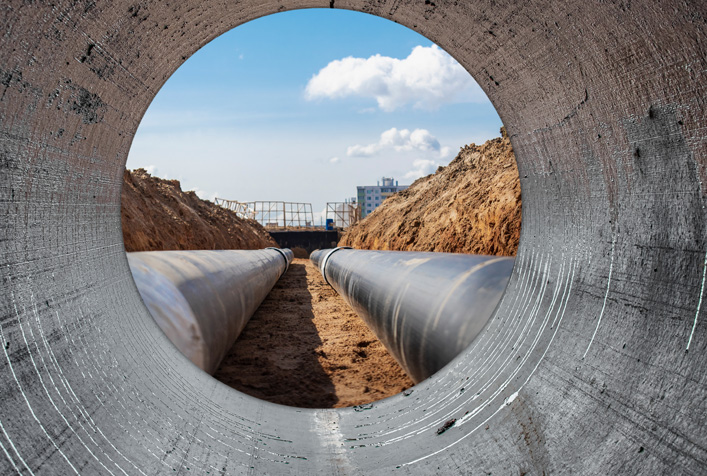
594,362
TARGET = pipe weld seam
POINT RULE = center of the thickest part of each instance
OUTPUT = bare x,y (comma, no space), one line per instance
282,253
326,259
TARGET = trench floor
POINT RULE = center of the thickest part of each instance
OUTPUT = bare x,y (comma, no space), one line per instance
306,347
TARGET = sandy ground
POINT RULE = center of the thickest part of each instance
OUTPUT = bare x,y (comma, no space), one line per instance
305,347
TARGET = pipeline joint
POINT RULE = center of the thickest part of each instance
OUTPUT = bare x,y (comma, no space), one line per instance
284,256
326,258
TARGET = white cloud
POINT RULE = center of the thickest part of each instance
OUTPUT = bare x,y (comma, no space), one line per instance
401,140
421,168
427,78
362,150
334,160
152,170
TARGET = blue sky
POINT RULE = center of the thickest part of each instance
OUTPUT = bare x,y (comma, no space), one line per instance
303,106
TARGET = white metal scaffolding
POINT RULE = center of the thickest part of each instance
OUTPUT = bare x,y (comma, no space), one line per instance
272,214
344,214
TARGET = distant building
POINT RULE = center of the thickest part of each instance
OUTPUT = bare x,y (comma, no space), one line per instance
371,196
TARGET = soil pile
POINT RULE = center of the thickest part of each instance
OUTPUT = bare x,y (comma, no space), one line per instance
471,206
157,215
306,347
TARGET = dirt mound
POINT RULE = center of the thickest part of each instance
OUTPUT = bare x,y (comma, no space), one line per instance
300,252
471,206
157,215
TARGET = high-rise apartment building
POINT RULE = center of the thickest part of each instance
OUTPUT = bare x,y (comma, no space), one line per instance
371,196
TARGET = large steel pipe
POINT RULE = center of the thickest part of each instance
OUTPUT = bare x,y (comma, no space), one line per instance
425,307
202,300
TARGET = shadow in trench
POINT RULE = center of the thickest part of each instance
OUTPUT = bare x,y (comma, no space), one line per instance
275,358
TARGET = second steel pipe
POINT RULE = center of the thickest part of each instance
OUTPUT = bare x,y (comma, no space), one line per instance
425,307
202,300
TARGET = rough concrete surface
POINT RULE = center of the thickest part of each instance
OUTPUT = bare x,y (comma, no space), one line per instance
594,362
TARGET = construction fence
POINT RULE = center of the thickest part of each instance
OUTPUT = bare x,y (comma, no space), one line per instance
272,214
277,215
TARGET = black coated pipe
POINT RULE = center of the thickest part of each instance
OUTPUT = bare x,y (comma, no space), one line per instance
424,307
202,300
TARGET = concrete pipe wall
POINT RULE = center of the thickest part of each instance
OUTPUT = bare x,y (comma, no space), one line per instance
202,300
595,361
425,307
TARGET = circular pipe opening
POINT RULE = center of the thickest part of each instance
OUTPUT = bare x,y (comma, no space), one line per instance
603,353
425,90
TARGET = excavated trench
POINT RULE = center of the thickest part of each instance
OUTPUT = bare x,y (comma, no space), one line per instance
305,347
594,362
